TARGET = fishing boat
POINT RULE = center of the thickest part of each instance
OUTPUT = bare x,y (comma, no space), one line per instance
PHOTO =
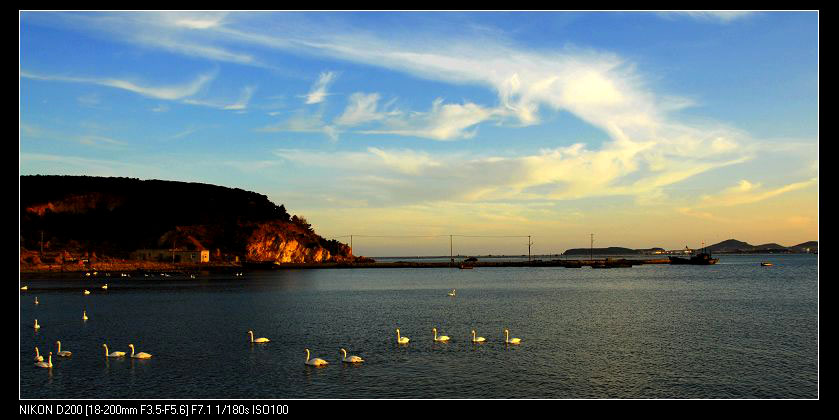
766,264
702,258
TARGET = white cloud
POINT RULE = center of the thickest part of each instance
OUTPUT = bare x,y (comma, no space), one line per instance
722,16
194,20
304,123
171,92
746,192
649,148
443,122
318,92
362,108
239,105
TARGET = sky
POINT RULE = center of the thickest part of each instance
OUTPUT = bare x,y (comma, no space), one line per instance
645,129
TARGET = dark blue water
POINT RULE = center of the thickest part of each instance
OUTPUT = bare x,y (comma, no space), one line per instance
734,330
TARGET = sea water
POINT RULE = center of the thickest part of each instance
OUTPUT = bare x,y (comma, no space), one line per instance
732,330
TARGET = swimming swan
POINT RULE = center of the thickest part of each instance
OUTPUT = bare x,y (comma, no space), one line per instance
114,354
84,315
315,362
36,300
24,288
139,355
47,364
477,339
258,340
105,287
509,340
453,292
87,292
439,338
62,353
400,339
37,327
38,357
351,359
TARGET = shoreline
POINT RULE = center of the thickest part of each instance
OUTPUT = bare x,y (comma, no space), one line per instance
108,269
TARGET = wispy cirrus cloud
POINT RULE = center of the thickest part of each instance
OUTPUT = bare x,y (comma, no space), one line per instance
303,123
720,16
361,108
170,92
239,105
746,192
185,93
318,92
444,121
648,148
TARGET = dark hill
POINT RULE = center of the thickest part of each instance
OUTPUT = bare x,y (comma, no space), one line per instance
808,246
730,245
116,216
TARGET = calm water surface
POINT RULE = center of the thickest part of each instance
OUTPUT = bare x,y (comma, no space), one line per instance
734,330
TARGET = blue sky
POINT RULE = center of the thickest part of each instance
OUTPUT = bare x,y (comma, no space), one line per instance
647,129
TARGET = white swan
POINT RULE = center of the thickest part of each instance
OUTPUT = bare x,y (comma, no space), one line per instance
62,353
38,357
24,288
400,339
105,287
258,340
87,292
47,364
37,327
36,300
509,340
477,339
453,292
351,359
439,338
139,355
315,362
114,354
84,315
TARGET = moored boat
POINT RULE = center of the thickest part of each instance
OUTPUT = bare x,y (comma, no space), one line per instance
702,258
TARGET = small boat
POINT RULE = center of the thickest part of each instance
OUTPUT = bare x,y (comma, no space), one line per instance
465,267
766,264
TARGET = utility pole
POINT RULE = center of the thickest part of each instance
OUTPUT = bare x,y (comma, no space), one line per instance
528,247
591,248
351,244
451,251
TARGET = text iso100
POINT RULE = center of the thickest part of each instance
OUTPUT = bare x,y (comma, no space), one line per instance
270,409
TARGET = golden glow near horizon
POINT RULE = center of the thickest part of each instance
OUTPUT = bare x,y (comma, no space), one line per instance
786,219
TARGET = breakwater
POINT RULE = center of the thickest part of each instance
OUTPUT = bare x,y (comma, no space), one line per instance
117,270
594,263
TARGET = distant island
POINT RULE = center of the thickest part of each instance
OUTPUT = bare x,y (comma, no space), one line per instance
76,222
729,246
